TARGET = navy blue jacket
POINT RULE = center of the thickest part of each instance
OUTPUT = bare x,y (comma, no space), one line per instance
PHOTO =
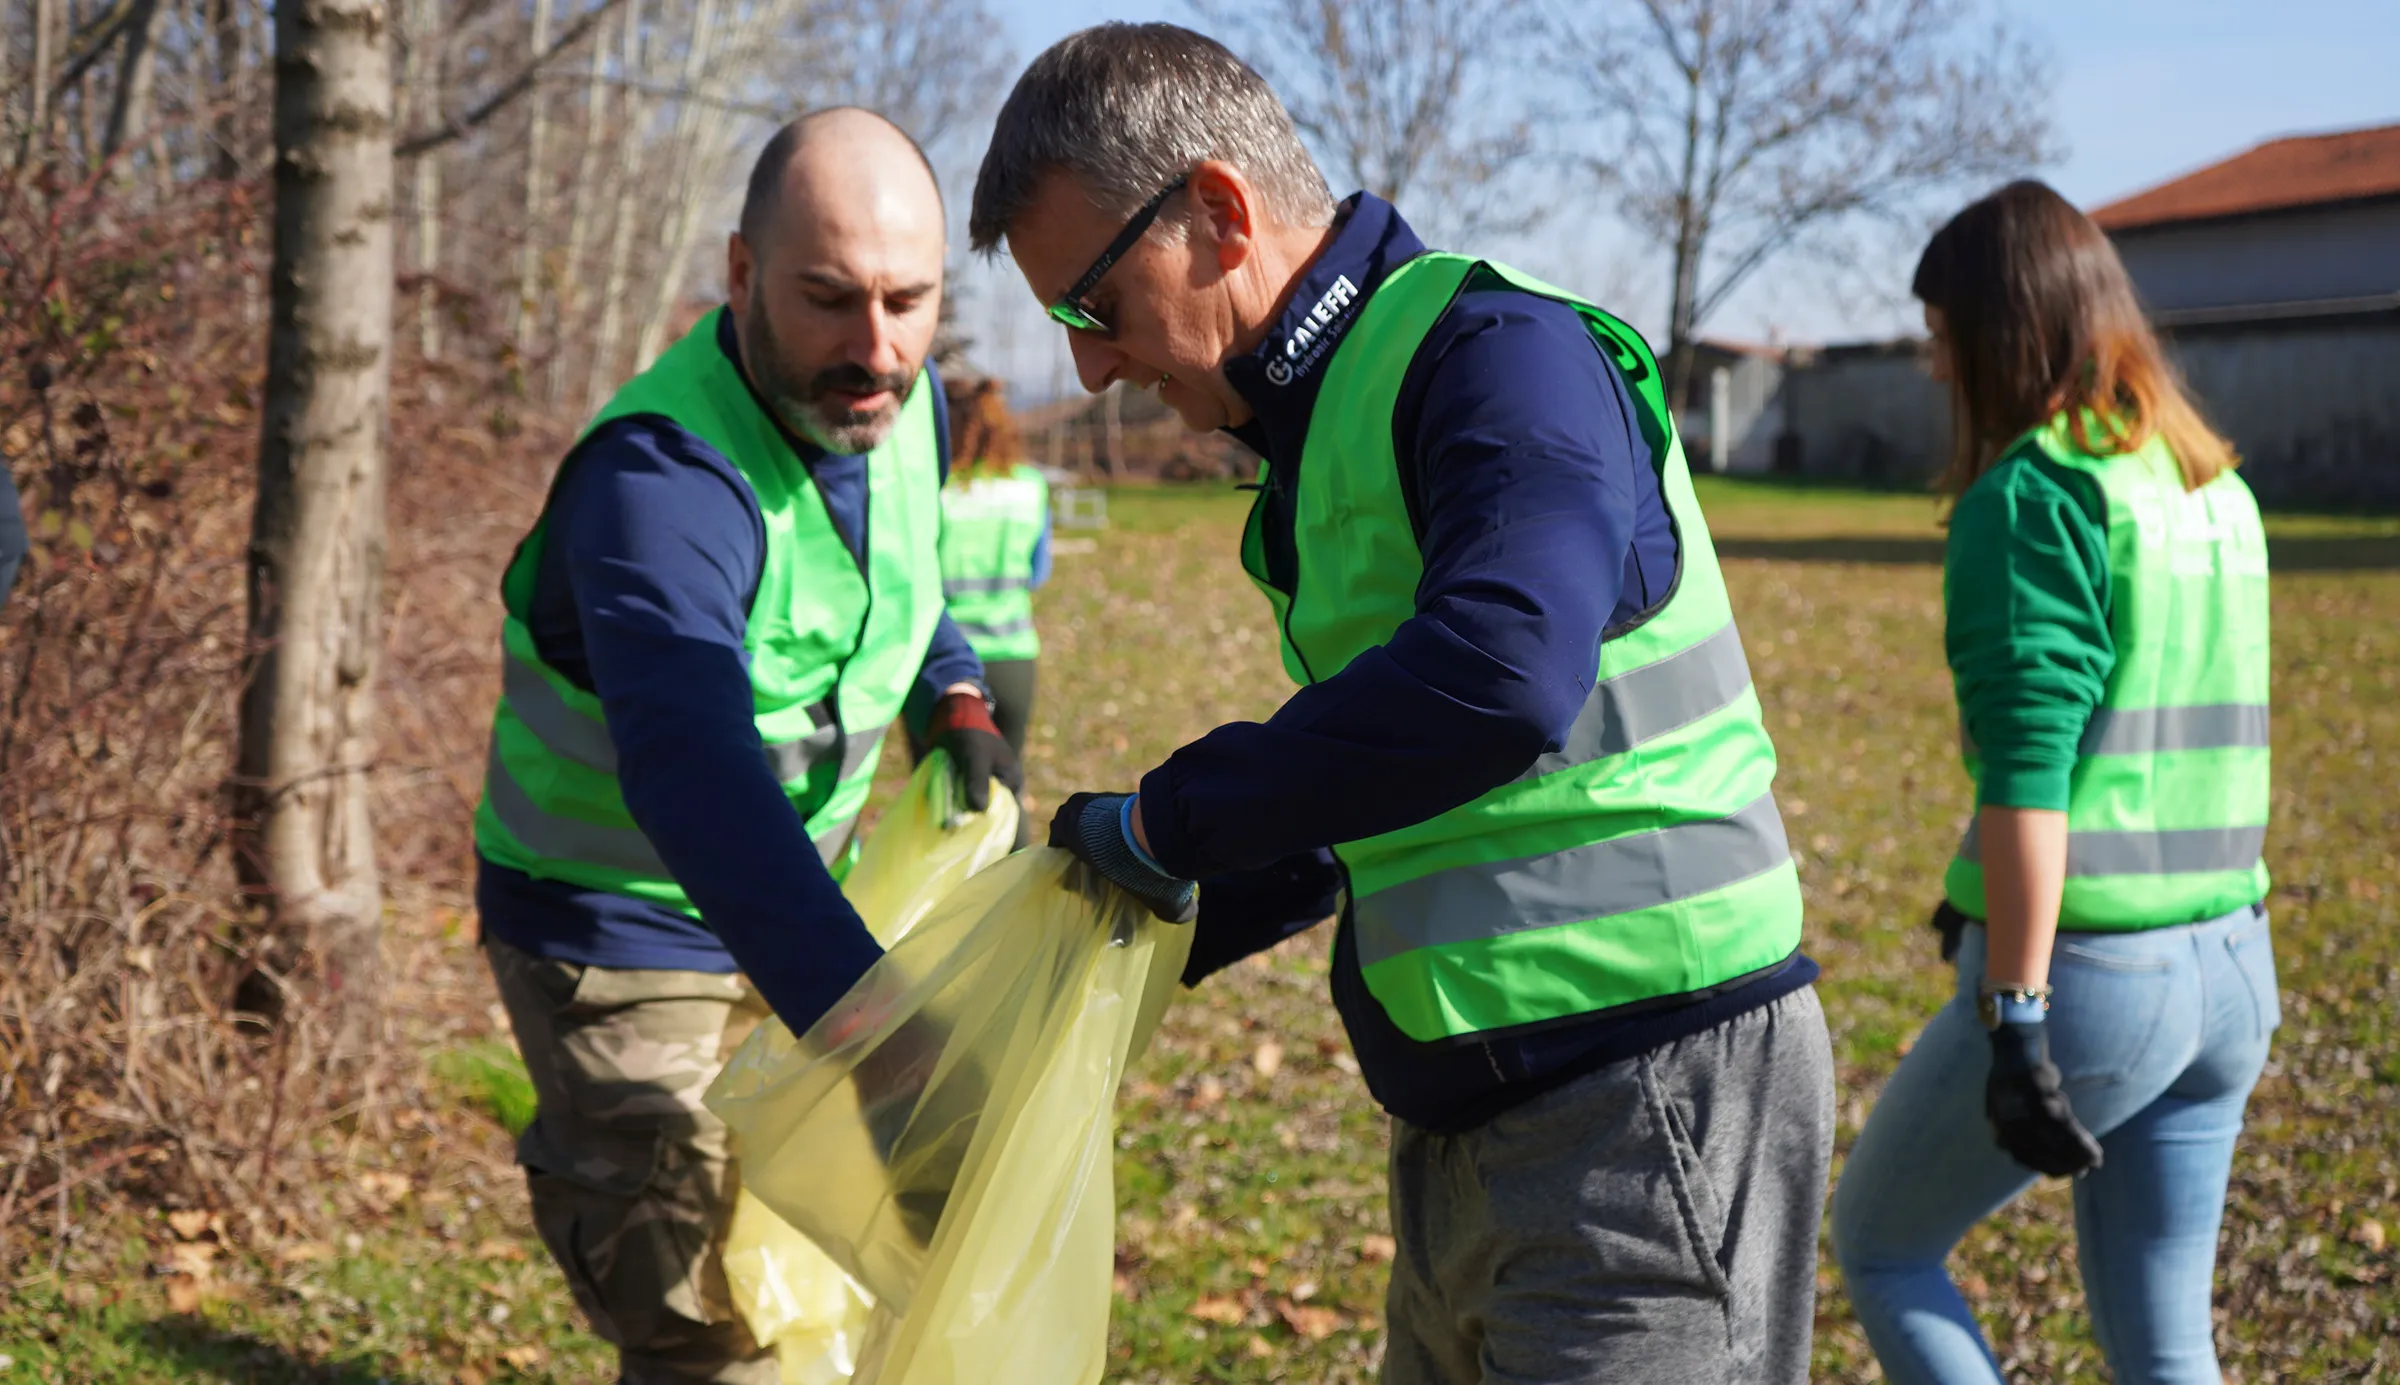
1543,529
642,595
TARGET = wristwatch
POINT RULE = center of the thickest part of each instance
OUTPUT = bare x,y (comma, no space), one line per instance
1999,1005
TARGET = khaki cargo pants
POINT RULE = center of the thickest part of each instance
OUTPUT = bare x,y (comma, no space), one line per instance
632,1179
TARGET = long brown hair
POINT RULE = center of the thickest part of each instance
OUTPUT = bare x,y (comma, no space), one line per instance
983,434
2041,319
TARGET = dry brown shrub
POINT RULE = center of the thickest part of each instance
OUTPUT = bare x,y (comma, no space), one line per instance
134,1061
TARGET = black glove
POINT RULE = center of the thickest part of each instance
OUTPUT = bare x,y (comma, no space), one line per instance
962,725
2029,1113
1949,923
1092,825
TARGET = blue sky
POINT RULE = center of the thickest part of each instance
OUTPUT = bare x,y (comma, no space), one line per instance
2144,90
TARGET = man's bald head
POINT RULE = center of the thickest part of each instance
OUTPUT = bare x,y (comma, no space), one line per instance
835,277
835,152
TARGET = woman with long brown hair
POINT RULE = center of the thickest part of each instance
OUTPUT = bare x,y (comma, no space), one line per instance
2105,602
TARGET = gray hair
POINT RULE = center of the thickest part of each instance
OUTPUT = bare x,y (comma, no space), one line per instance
1126,109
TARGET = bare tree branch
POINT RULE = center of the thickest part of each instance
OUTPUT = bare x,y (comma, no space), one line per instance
1412,100
1786,117
465,122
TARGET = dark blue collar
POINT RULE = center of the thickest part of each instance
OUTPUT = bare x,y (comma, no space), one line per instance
808,452
1280,379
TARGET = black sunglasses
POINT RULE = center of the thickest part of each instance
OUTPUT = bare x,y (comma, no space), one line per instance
1069,309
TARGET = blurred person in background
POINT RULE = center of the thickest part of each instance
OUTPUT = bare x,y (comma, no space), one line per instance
995,552
2105,600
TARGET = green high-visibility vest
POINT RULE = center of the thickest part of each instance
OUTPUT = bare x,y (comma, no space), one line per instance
1643,859
2167,803
990,527
834,643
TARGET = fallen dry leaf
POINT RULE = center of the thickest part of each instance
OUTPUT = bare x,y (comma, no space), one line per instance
303,1252
1267,1059
183,1294
526,1357
383,1189
499,1250
1259,1347
1378,1248
471,1375
190,1224
1218,1309
192,1258
2369,1233
1316,1324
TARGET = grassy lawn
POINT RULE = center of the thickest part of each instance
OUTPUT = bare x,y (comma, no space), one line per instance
1253,1242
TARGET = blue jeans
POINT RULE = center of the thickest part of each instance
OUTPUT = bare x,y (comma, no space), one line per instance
2159,1037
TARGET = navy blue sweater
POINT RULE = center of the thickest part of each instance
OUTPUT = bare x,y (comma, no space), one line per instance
642,595
1543,529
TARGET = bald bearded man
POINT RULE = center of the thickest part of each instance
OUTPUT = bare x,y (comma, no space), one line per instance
733,589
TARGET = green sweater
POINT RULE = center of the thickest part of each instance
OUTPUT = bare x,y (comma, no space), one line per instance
2025,597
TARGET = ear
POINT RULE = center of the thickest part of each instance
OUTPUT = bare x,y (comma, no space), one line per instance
1226,213
739,266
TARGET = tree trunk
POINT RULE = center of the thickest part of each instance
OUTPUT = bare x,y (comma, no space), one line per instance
537,134
568,300
1691,232
602,378
45,58
422,82
231,91
87,126
129,106
316,540
694,151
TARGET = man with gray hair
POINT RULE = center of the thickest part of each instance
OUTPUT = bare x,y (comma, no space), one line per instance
1525,753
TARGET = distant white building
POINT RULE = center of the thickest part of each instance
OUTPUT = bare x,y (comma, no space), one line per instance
2275,277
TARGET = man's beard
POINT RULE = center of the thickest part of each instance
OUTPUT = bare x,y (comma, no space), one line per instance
805,405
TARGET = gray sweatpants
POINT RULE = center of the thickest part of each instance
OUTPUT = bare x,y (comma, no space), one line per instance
1654,1222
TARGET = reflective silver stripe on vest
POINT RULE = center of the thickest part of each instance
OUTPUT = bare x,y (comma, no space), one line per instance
557,838
1622,874
792,760
2154,730
967,586
1007,627
565,732
2183,851
834,840
1647,702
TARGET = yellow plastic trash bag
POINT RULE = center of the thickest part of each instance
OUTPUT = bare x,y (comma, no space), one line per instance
945,1133
791,1294
925,844
794,1298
